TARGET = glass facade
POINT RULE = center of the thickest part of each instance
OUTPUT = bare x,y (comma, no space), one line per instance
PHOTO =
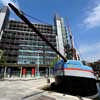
24,46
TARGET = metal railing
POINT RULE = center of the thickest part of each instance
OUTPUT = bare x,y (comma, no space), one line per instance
28,74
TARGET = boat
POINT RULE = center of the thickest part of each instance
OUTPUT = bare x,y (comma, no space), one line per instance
75,78
72,77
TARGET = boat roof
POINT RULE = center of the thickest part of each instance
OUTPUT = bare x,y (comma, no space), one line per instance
77,64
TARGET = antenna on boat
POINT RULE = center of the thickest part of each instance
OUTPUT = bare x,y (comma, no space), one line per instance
30,25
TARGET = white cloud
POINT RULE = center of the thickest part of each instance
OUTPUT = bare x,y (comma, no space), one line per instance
5,2
93,17
12,18
90,48
90,52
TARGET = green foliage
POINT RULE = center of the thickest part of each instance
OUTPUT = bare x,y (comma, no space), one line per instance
53,62
2,58
1,53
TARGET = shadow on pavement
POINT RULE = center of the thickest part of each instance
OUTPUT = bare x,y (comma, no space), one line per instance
32,95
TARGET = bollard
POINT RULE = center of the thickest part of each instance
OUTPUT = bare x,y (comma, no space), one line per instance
48,81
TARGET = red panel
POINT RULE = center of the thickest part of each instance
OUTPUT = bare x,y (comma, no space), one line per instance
78,69
33,71
24,71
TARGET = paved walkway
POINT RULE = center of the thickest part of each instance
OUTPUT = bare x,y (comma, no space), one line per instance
30,90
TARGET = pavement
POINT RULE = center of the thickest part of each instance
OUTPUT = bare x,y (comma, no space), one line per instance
31,90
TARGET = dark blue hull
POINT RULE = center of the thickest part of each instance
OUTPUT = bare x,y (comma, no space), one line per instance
79,86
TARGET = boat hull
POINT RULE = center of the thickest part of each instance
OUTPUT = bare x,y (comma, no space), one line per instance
75,85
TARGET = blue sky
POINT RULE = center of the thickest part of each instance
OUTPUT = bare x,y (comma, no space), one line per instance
84,19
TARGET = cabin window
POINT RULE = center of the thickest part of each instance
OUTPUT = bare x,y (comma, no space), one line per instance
70,65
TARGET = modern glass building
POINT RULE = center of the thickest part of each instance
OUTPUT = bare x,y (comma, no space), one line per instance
23,48
62,35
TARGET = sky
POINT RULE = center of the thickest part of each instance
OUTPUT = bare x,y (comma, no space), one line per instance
83,17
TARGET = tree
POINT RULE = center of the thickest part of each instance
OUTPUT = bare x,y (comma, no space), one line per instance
53,62
1,53
2,58
2,63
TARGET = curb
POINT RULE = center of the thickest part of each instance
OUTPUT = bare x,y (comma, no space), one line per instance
20,79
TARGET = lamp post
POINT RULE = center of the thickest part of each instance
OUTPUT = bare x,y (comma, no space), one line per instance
38,73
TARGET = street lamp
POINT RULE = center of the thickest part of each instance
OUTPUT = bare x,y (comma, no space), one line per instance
38,73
